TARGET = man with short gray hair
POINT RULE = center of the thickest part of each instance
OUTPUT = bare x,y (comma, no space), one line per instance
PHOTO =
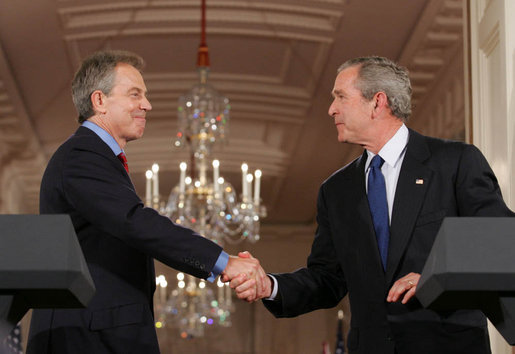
88,178
377,220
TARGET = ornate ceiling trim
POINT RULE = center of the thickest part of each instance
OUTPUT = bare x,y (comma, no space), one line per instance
432,45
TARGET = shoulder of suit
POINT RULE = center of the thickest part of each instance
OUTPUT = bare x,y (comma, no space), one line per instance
438,145
447,144
344,172
85,139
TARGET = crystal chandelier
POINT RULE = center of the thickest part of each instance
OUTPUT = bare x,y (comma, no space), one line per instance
193,306
208,205
205,202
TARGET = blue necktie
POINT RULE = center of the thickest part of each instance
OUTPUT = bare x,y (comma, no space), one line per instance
379,206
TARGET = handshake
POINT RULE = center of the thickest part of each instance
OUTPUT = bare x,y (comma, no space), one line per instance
247,277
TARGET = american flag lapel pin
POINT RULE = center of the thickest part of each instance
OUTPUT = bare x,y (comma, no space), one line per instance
419,181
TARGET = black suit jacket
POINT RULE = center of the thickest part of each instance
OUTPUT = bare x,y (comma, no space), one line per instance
119,238
457,181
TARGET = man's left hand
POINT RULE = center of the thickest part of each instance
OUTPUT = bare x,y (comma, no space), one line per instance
407,285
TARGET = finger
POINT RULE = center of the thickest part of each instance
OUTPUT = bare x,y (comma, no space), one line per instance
245,254
255,276
247,291
247,295
236,281
402,286
246,286
408,295
398,288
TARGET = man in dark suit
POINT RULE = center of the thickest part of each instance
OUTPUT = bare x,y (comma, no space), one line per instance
377,256
88,179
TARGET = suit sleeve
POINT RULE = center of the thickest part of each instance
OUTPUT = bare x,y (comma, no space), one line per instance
100,193
477,189
319,285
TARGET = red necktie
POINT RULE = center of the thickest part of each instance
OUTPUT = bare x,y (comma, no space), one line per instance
121,156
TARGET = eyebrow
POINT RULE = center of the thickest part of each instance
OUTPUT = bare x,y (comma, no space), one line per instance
336,93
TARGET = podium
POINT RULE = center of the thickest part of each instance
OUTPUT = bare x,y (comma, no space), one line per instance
472,266
41,266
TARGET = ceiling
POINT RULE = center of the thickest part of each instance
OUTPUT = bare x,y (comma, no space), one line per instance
274,59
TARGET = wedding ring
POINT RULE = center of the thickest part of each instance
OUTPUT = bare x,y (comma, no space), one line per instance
411,283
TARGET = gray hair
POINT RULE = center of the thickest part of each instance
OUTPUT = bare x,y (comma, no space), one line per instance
378,74
97,72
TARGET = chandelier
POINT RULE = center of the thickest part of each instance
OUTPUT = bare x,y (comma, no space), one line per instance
193,306
205,202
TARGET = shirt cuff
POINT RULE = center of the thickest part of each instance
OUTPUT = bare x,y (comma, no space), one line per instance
276,288
219,267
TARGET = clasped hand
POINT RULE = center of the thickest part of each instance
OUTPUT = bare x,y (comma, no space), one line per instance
247,277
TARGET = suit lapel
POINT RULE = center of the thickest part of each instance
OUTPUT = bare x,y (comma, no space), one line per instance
414,179
100,147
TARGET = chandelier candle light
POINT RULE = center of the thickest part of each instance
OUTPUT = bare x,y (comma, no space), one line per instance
210,207
152,197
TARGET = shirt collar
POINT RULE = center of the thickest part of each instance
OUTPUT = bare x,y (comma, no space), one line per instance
393,149
104,135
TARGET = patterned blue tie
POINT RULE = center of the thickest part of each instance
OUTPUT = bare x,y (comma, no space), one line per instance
379,206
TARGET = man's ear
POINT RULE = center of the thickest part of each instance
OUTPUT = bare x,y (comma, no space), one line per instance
380,101
98,102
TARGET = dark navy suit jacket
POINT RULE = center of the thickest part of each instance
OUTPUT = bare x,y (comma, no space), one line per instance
119,238
457,181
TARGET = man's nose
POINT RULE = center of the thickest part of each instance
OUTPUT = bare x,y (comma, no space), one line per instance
146,105
332,110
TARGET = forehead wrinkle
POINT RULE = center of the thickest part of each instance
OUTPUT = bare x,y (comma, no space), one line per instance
131,87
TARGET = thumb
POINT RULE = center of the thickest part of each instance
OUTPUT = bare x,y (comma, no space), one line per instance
245,254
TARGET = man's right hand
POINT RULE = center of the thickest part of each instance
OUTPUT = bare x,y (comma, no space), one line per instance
251,288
